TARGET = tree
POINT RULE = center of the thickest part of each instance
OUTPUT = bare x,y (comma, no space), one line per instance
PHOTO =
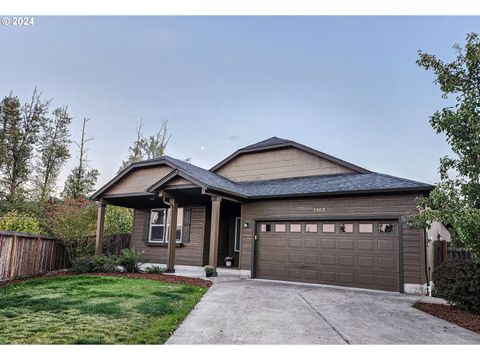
21,127
136,150
155,145
53,152
146,148
81,181
455,201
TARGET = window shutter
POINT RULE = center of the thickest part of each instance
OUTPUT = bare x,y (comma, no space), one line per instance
187,216
146,225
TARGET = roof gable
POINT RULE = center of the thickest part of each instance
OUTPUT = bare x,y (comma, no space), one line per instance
274,143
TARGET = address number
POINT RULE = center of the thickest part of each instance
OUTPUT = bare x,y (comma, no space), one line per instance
319,209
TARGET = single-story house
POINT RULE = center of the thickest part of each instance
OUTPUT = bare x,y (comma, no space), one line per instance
281,211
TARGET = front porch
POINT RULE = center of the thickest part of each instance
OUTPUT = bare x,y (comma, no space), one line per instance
208,227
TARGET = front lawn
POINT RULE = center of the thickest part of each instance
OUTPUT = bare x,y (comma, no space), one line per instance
91,309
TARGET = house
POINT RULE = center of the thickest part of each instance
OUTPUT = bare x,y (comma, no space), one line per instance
282,211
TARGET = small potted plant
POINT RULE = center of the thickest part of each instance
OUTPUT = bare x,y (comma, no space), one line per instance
209,270
228,261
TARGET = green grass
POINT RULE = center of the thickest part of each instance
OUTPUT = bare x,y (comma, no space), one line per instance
93,310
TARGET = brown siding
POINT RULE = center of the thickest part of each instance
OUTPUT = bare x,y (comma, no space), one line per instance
379,205
139,179
189,254
277,164
178,181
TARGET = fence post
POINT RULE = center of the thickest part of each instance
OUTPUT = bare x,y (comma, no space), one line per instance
444,251
11,259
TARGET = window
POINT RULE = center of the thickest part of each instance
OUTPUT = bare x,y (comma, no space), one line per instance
296,228
160,225
311,228
238,226
346,228
365,228
266,227
328,228
385,228
280,227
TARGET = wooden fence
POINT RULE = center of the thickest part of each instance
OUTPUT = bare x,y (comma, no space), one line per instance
114,244
443,251
29,254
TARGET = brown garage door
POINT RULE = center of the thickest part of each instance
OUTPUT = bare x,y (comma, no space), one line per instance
347,253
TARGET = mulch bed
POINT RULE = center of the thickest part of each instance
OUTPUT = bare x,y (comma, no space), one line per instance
159,277
452,314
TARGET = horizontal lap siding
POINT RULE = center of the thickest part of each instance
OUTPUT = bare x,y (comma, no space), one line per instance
378,205
189,254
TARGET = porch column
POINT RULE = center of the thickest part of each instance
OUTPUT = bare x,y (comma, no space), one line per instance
172,237
214,226
100,227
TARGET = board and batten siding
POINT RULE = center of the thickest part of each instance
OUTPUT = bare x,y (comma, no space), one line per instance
336,207
190,253
278,164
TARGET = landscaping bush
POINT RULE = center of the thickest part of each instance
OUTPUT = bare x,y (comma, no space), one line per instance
130,260
82,265
74,223
459,283
155,269
14,221
97,263
103,263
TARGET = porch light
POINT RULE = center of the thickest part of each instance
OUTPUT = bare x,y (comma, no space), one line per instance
245,225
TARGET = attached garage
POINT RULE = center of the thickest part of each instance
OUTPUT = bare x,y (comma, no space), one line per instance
362,254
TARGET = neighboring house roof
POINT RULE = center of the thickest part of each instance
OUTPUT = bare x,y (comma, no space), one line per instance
299,186
276,143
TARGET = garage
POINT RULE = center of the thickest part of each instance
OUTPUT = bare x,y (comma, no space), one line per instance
361,254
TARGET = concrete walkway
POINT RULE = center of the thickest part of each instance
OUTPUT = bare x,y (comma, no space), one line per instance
265,312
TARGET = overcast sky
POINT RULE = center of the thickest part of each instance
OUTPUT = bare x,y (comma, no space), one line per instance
347,86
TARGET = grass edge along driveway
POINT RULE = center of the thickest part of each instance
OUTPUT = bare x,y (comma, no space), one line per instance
87,309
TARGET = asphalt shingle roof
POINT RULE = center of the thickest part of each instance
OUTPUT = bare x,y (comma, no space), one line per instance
341,183
265,143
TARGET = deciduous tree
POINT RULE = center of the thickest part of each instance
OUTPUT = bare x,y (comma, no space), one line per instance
455,201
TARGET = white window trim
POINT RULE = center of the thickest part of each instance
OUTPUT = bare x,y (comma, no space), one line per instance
237,229
150,225
166,227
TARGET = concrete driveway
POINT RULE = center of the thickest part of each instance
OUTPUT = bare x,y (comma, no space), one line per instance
265,312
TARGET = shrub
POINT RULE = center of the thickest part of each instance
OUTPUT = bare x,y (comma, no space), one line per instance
14,221
130,260
459,283
103,263
118,220
74,223
82,265
155,269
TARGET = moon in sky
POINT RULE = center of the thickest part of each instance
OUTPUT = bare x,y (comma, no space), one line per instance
202,148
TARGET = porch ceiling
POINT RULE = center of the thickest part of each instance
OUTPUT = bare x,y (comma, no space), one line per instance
184,197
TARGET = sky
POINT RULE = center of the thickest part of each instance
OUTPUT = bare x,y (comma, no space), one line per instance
347,86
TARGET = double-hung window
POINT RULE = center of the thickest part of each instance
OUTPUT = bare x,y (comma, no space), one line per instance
160,225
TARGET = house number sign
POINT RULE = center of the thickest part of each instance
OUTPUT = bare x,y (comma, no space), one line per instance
318,210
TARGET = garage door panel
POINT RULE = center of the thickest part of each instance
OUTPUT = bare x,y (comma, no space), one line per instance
365,244
348,258
366,261
295,258
348,244
311,259
329,259
328,243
